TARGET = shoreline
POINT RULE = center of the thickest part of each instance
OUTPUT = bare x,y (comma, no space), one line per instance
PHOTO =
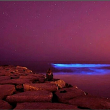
91,84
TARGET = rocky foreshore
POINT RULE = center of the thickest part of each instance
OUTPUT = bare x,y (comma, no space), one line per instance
20,88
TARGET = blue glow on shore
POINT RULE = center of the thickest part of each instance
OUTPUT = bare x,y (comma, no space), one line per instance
80,65
88,69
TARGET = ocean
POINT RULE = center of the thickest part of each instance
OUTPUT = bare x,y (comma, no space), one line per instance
91,78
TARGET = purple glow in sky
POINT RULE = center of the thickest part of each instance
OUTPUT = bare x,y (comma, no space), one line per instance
55,30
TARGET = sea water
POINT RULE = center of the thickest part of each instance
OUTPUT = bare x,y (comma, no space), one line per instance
91,78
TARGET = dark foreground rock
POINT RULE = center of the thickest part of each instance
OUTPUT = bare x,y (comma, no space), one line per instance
45,105
39,78
66,94
40,86
6,90
90,102
5,105
15,81
2,78
30,96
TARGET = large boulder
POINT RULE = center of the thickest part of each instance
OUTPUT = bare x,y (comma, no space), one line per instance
4,73
15,81
29,77
66,94
5,105
34,78
45,105
60,83
30,96
21,69
37,75
41,80
6,90
14,76
2,78
40,86
7,70
90,102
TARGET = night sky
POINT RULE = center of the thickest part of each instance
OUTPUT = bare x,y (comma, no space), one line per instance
54,30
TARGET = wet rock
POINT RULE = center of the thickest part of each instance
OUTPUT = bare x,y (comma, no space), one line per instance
5,105
45,105
30,96
66,94
40,86
59,83
90,102
6,90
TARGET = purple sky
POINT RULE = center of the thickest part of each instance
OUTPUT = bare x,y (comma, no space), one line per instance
54,30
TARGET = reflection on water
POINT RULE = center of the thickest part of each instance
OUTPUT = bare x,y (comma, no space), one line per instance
90,69
92,78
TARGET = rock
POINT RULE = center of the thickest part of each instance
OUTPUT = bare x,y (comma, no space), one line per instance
40,86
34,78
37,75
21,69
4,73
90,102
6,90
59,83
66,94
41,80
68,85
14,77
8,70
5,105
30,78
30,96
45,105
15,81
4,78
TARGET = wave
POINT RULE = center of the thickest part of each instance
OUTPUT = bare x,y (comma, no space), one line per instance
88,69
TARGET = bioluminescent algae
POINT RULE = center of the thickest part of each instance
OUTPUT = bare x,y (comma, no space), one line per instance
89,69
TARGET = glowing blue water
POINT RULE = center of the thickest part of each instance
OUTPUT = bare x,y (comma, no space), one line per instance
88,69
